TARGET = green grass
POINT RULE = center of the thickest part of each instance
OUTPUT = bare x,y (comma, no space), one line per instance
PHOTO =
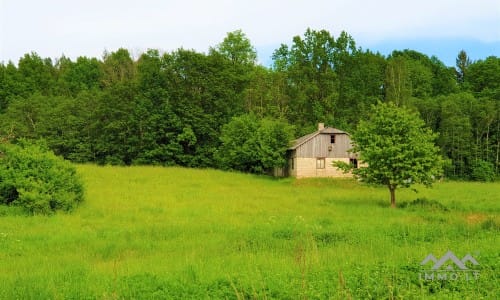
175,233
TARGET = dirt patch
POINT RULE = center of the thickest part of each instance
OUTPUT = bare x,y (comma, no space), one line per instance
476,218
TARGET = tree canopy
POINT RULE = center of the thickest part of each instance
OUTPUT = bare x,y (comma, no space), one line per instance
170,108
396,149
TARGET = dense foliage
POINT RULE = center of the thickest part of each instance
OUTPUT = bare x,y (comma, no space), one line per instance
32,177
170,108
253,145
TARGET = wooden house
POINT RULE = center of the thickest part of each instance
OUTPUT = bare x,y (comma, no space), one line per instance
312,155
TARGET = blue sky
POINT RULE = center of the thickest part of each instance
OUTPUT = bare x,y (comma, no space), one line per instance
444,49
87,28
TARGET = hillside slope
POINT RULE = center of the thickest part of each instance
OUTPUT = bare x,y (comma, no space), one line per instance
152,232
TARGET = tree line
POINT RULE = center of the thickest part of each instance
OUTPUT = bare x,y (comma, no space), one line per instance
222,109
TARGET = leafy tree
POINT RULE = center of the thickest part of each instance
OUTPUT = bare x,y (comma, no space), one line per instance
484,77
203,95
462,65
265,96
417,75
250,144
456,139
483,171
430,111
443,78
237,48
3,92
361,85
37,75
397,81
115,143
153,120
239,145
83,75
396,150
312,82
274,138
23,116
11,85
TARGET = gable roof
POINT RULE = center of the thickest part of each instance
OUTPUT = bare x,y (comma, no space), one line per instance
302,140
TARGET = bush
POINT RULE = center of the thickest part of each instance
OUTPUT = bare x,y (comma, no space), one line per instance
36,179
483,171
254,145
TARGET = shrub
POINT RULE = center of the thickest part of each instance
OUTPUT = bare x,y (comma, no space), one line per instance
255,145
483,171
36,179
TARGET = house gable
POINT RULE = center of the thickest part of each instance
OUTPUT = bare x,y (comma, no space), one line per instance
312,155
327,142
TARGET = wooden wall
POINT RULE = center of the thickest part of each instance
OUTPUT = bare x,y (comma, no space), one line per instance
320,146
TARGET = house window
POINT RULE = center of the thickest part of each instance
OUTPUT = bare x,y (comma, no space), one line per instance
292,163
353,162
332,139
320,163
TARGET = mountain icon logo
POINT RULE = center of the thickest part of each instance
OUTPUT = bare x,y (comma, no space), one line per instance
450,261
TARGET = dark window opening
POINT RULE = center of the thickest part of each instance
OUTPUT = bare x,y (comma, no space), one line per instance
332,139
291,163
353,162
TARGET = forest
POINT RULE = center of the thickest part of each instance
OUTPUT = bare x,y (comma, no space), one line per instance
221,109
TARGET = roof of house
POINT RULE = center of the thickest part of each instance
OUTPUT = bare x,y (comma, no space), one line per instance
302,140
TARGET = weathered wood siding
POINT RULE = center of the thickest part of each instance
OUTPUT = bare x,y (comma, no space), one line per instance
303,158
306,167
320,146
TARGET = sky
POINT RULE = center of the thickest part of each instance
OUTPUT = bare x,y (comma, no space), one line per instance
73,28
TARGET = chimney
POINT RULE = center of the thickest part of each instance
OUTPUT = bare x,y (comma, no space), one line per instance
321,126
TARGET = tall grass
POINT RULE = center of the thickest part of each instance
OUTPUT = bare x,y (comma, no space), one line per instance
155,233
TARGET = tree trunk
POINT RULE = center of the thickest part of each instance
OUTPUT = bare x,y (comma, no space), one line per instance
392,189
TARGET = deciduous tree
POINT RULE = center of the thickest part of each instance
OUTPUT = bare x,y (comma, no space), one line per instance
396,149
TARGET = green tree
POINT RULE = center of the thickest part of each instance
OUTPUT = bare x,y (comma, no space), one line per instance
23,116
361,85
37,75
265,94
396,149
250,144
3,92
484,77
239,145
397,81
237,48
443,78
462,65
456,139
83,75
115,142
413,74
203,95
12,85
310,69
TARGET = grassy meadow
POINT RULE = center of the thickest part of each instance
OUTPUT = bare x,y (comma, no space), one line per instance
176,233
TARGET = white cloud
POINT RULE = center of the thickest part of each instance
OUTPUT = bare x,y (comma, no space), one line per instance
88,27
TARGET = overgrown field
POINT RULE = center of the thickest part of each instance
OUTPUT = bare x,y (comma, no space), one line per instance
156,233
